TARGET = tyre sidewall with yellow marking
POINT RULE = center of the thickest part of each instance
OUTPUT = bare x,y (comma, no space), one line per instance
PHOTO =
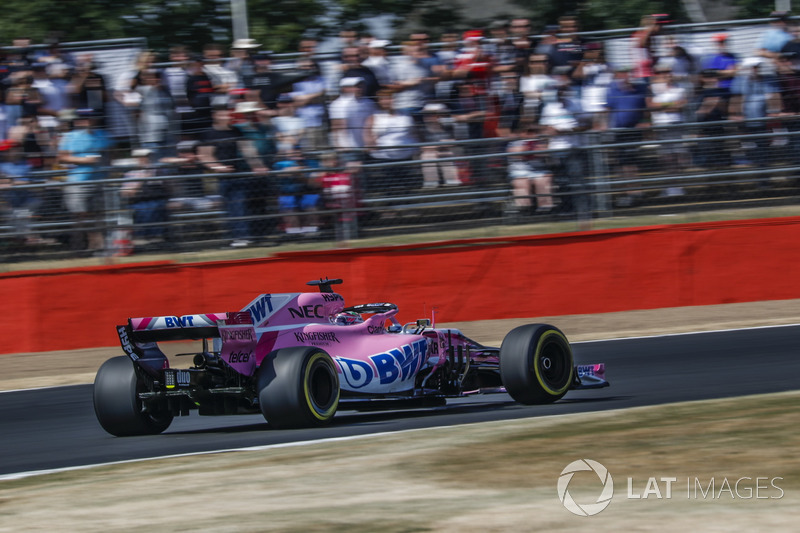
298,387
536,364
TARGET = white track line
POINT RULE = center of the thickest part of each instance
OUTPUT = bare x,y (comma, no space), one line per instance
266,447
687,333
32,473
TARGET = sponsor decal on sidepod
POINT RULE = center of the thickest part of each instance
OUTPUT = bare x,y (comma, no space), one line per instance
393,367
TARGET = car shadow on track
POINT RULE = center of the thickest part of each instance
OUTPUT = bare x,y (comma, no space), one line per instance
346,419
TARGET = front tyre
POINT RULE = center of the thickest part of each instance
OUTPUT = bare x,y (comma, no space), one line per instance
117,404
298,387
536,364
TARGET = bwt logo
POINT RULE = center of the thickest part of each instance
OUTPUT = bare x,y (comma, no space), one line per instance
585,509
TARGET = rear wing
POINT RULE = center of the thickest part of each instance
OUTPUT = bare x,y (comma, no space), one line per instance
172,328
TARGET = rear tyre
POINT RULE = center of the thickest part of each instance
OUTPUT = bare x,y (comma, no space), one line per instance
117,404
298,387
536,364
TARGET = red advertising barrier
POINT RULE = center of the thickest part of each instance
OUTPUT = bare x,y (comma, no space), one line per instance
508,277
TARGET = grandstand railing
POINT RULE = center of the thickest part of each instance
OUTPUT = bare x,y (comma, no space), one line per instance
715,172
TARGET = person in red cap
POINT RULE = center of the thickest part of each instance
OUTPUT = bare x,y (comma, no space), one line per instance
472,63
723,63
644,46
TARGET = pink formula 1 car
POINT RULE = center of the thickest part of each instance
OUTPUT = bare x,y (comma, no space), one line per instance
299,357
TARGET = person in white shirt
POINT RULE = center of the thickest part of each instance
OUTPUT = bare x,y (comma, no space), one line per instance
348,114
378,63
666,107
390,132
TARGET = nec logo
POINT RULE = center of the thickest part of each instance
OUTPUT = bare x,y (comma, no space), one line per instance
307,311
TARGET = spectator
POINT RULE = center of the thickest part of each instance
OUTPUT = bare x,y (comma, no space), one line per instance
683,67
446,55
437,127
378,62
409,75
297,192
175,78
352,67
776,36
348,36
500,48
712,109
533,84
18,58
267,84
308,97
339,194
147,197
199,90
388,132
724,63
83,149
528,173
349,113
752,103
508,103
21,99
595,76
788,72
34,140
473,64
562,121
289,127
255,123
645,46
158,125
666,106
307,47
547,43
222,79
53,94
520,27
194,193
448,51
626,103
225,151
127,82
241,62
567,51
470,110
24,204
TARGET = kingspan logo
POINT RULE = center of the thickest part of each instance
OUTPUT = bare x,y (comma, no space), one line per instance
585,509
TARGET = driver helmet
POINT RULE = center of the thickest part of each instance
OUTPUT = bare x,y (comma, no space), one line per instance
347,318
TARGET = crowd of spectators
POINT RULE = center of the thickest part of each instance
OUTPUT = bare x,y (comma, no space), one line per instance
254,137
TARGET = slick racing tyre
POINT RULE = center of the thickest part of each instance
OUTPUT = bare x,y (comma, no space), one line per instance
536,364
298,387
117,404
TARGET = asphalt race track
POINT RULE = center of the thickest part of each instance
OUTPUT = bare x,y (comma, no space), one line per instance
53,428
